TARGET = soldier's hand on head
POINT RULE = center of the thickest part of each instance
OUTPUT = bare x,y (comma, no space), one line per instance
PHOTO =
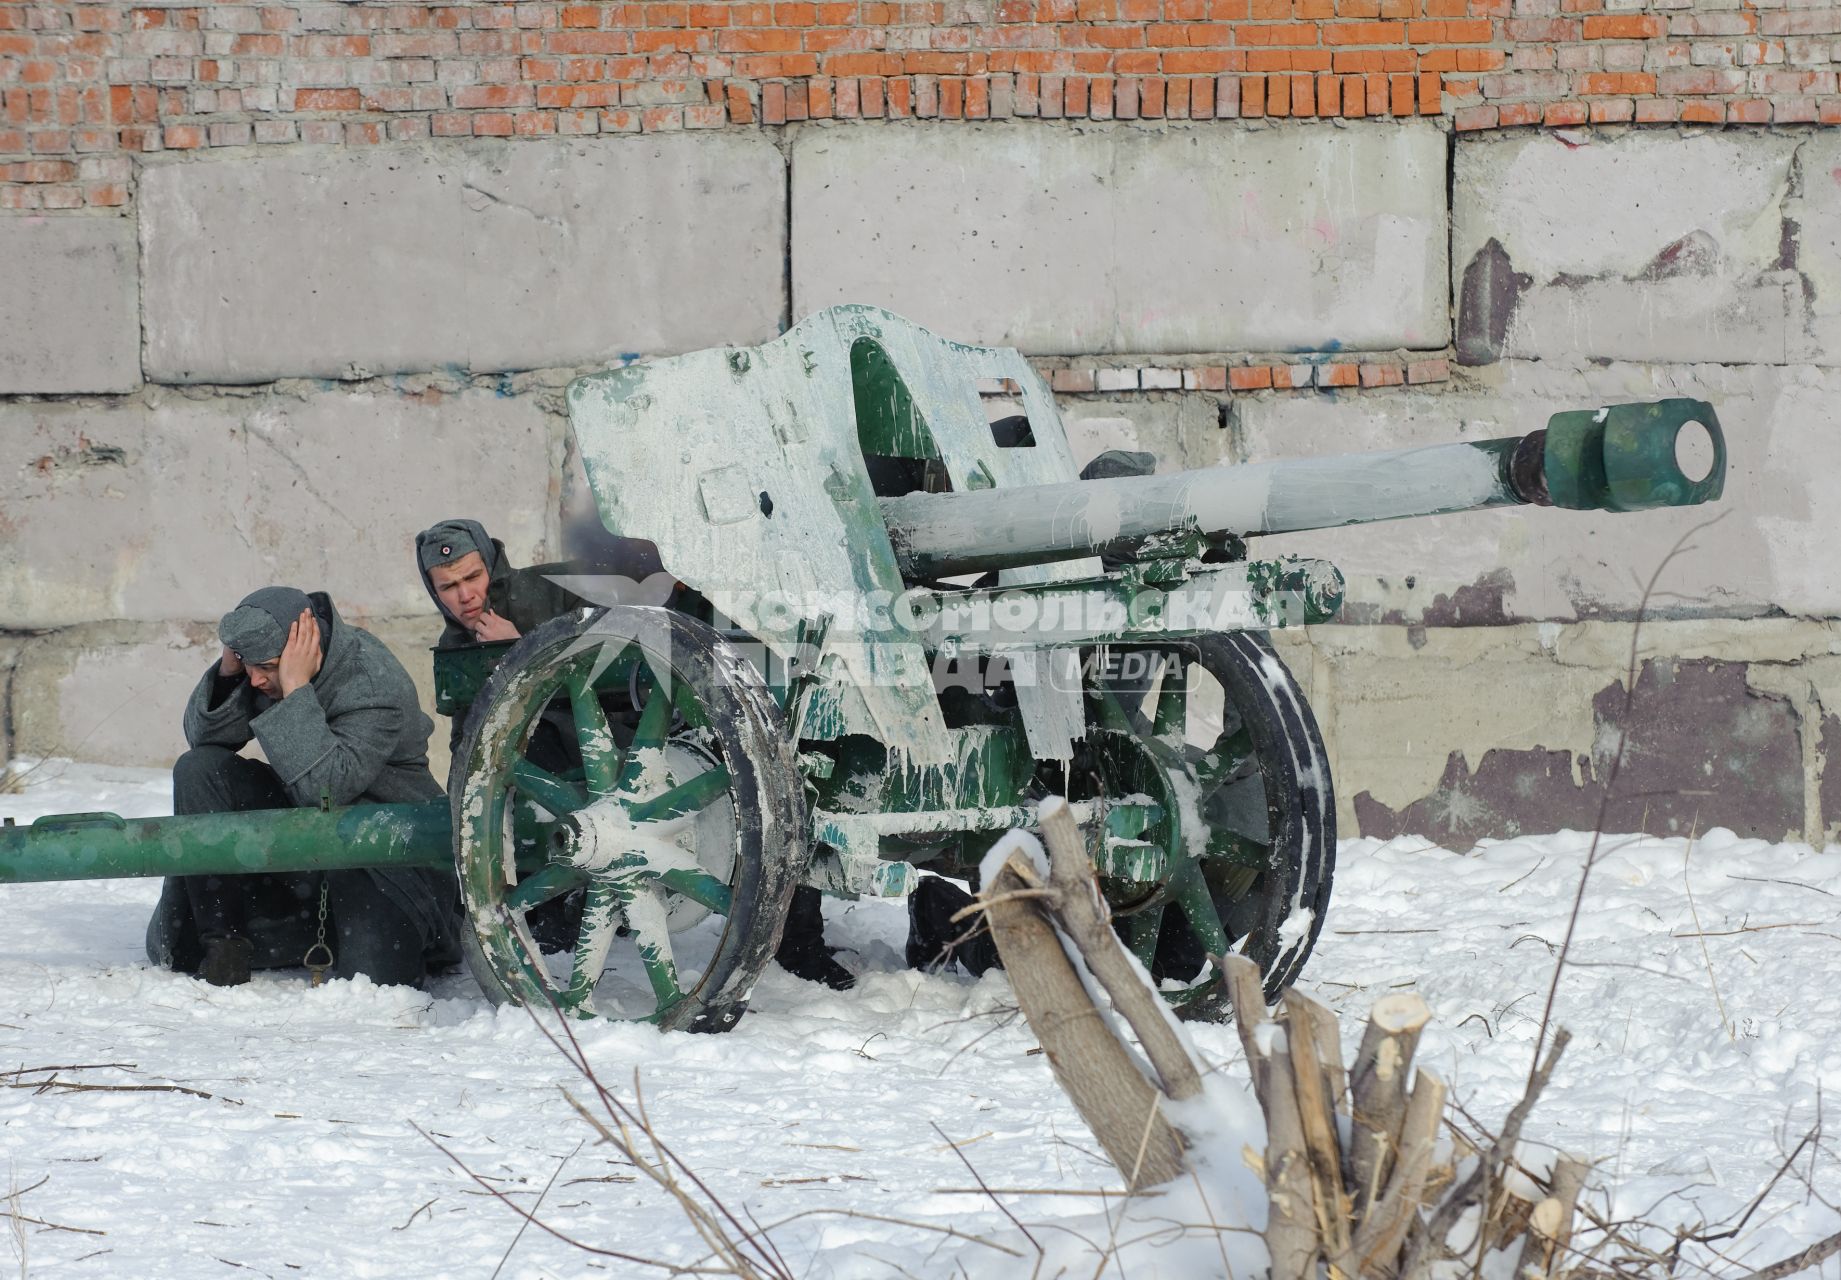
300,659
494,626
229,666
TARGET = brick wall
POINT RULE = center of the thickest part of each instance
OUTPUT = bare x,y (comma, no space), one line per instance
83,86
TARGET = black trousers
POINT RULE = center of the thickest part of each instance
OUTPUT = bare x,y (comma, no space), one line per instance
277,912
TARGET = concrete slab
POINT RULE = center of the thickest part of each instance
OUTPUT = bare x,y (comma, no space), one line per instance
115,692
1542,564
1648,246
171,509
1422,741
1180,431
111,692
1813,209
70,309
1126,239
486,256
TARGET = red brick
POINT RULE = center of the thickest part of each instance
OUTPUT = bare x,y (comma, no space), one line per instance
773,103
952,98
1382,375
1700,112
1612,111
1625,26
1400,98
1176,99
1559,115
40,171
1749,111
1338,375
1514,113
819,102
326,100
1354,97
1429,95
1419,372
468,97
1609,83
1467,118
1665,111
1253,378
1100,98
1348,33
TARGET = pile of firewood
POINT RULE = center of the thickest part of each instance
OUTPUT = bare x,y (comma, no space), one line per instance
1358,1172
1362,1177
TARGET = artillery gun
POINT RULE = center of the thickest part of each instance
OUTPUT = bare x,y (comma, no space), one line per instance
913,623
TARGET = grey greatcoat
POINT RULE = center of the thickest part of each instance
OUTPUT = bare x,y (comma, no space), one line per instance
356,734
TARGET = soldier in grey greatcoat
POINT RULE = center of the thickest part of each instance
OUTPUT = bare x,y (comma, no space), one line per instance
484,599
337,717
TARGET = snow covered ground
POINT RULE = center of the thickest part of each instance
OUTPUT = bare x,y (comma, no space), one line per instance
273,1129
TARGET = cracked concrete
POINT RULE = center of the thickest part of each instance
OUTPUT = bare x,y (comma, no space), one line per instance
1647,245
209,499
115,691
1494,730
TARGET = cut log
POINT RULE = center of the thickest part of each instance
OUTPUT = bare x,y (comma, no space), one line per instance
1377,1088
1097,1072
1550,1226
1247,995
1392,1214
1087,921
1317,1117
1293,1236
1327,1032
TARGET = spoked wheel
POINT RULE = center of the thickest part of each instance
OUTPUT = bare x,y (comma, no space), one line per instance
683,827
1219,735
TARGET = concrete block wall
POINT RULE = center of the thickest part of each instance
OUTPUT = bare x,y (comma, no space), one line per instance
275,363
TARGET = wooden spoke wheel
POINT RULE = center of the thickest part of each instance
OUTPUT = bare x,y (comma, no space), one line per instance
1218,734
629,823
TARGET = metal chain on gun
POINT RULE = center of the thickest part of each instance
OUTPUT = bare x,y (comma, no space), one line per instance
315,967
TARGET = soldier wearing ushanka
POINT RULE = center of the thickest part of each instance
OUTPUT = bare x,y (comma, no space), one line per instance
337,718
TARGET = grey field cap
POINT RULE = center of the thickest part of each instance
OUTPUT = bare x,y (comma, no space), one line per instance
445,543
257,629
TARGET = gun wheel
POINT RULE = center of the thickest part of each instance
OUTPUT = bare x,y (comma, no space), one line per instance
1222,738
629,824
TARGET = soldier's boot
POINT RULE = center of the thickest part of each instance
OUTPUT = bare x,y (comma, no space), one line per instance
226,962
935,940
803,952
